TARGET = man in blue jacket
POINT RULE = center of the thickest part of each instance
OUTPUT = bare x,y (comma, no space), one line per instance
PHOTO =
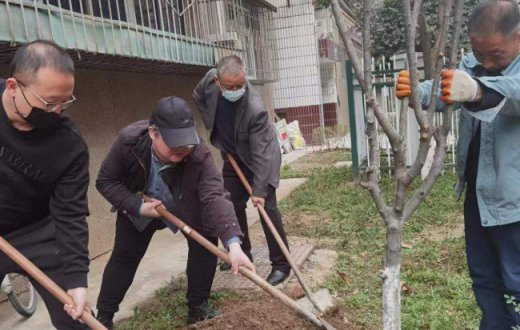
487,87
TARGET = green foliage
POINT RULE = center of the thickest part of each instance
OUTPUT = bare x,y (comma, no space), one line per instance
319,4
511,300
434,269
388,28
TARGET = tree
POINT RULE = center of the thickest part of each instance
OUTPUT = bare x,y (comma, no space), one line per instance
405,200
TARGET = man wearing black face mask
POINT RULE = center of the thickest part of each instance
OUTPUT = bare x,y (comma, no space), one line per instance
44,176
239,124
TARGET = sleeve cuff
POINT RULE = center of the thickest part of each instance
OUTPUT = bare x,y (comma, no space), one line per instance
234,239
490,99
141,208
259,192
75,280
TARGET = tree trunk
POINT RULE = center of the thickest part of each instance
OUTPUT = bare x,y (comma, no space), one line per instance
391,276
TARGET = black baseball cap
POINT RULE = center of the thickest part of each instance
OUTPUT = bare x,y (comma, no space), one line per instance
174,119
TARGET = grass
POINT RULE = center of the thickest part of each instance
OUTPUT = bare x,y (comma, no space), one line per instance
433,267
168,309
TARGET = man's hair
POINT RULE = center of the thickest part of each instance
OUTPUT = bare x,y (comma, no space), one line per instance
498,16
230,65
37,55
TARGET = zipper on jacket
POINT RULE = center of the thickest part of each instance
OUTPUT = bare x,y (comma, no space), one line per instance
144,168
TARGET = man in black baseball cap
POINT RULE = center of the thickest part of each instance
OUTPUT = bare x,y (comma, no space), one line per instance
164,158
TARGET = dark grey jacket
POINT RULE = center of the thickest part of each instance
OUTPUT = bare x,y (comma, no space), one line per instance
255,136
199,198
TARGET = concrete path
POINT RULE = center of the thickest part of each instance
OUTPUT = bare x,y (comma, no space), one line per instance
165,258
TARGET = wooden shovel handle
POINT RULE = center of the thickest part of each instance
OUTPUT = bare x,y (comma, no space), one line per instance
46,282
267,220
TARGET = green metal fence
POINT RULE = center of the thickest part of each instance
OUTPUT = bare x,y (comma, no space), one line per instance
190,32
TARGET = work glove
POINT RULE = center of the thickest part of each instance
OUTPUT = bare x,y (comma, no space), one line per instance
402,87
458,86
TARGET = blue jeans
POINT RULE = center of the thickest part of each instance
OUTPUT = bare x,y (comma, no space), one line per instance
493,255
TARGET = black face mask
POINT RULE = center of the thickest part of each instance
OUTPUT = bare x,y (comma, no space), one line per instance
40,118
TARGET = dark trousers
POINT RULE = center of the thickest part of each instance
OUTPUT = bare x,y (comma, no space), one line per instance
130,247
37,243
494,265
239,197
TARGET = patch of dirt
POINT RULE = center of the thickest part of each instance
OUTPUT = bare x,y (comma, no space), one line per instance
302,220
258,311
455,229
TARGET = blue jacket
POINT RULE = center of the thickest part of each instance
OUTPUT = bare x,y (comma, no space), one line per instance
498,178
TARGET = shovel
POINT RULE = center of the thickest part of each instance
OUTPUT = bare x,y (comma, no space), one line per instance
276,235
316,321
46,282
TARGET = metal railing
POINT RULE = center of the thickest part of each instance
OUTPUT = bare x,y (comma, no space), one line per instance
191,32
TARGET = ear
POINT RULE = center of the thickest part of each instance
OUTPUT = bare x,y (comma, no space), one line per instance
10,86
151,132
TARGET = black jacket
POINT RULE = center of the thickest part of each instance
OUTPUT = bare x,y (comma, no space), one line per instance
199,198
44,177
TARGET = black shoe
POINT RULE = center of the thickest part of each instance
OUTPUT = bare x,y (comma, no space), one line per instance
225,266
106,319
201,312
276,277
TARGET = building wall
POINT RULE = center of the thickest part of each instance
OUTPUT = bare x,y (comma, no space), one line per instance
297,55
333,75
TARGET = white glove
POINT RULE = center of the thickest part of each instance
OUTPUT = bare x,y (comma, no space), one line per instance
458,86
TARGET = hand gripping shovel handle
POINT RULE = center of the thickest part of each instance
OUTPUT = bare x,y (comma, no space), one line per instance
46,282
244,271
276,235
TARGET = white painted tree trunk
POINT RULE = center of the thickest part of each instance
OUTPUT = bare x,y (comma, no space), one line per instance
391,276
392,298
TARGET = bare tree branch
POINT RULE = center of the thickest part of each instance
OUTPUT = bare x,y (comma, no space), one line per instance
373,171
426,45
416,11
424,143
412,63
347,41
457,21
435,171
438,51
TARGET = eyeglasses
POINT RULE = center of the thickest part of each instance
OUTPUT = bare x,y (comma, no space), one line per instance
51,107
